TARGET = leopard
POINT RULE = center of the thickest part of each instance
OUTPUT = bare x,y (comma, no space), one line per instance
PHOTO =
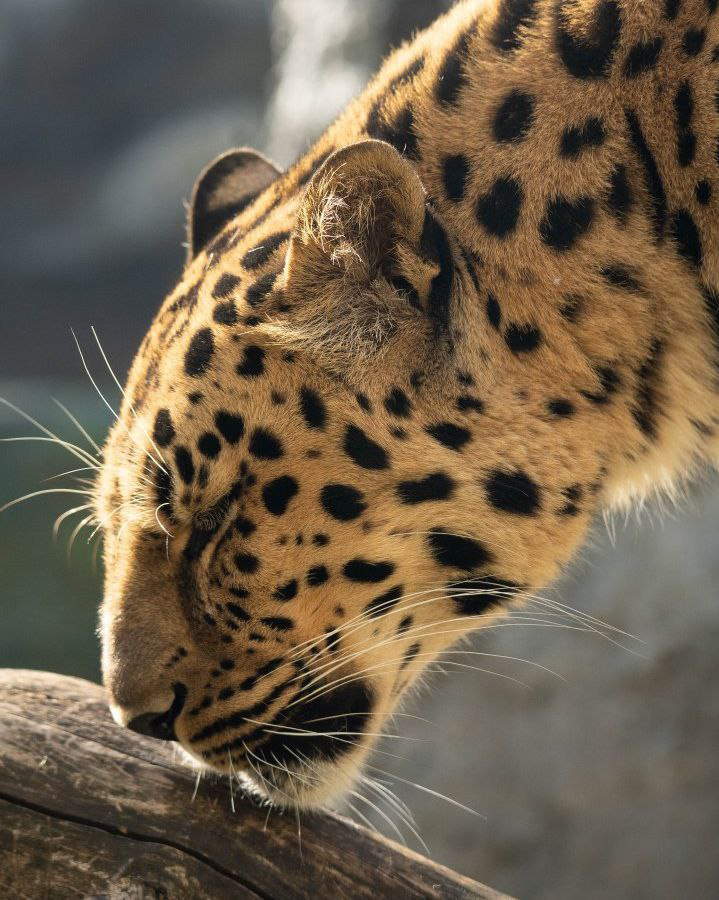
398,382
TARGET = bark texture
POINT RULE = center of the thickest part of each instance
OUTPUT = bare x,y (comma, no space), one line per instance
88,809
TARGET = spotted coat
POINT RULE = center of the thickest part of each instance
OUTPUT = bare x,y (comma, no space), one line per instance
396,382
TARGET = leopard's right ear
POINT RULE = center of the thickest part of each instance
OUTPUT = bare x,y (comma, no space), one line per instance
226,187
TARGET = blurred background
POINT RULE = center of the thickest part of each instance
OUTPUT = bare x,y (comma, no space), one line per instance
601,780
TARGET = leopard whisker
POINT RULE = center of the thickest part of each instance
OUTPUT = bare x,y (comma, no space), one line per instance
79,426
126,398
66,515
426,790
112,410
381,813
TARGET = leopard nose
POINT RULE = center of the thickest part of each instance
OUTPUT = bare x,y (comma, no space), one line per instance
161,725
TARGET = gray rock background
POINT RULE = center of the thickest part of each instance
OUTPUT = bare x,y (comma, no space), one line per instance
603,784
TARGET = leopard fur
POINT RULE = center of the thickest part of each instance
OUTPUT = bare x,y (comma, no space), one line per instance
396,383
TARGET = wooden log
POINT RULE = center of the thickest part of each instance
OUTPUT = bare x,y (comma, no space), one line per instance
88,809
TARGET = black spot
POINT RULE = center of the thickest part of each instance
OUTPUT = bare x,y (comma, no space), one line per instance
452,75
257,292
522,338
571,307
609,380
258,256
277,623
513,492
620,197
467,403
342,502
703,192
565,221
361,570
199,353
642,57
576,138
653,179
449,435
234,609
385,603
455,172
513,18
209,445
265,445
561,407
435,246
416,379
645,410
225,313
684,112
363,402
332,640
286,592
278,493
494,312
477,595
400,133
317,575
363,450
185,465
312,408
588,56
195,397
231,427
320,540
225,286
397,403
163,432
686,234
163,490
253,362
457,552
498,210
437,486
409,654
693,41
405,625
514,117
621,277
246,562
671,9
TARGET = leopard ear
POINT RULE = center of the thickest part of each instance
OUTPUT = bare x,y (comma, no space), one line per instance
367,256
363,214
226,187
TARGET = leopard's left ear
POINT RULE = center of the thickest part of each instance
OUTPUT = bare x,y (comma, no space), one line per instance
226,187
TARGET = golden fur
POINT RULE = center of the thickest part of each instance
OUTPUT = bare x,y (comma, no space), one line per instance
527,363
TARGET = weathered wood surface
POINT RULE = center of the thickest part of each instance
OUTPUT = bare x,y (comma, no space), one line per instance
88,809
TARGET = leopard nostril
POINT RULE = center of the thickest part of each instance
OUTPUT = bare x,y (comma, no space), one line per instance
161,725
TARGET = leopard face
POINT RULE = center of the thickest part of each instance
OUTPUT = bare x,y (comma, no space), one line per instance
293,538
396,382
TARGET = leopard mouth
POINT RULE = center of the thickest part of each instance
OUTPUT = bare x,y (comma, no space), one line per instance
304,756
